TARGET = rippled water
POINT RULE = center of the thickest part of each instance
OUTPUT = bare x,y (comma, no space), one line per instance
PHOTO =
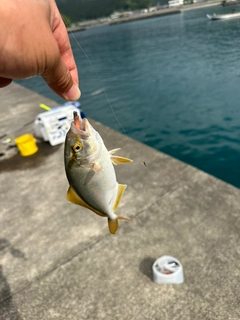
173,82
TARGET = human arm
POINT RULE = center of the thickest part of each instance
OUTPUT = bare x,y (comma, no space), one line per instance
34,41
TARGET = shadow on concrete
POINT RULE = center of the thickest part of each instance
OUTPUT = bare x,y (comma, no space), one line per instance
5,291
17,162
146,266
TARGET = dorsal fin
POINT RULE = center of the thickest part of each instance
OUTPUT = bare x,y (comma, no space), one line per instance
74,198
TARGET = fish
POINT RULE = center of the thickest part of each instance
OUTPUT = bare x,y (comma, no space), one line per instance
90,172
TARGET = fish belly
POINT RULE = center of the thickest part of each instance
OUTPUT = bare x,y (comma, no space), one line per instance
97,189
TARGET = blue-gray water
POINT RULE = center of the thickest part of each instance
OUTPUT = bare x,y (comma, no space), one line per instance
173,82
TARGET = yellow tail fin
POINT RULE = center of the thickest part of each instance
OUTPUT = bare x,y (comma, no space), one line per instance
113,224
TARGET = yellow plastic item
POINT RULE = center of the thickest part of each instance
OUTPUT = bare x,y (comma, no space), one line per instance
43,106
26,145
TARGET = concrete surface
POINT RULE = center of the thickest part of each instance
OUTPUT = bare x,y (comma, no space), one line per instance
59,261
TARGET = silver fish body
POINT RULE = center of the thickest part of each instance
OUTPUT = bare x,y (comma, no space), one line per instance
90,172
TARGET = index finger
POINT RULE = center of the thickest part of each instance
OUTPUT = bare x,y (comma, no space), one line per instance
62,39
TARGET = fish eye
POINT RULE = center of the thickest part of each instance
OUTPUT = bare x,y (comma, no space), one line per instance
77,147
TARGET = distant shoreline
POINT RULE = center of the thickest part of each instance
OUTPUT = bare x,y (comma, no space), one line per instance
159,13
201,5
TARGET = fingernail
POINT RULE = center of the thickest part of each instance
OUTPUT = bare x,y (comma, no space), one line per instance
73,94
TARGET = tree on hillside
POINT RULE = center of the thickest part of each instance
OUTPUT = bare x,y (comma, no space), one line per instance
78,10
66,20
134,4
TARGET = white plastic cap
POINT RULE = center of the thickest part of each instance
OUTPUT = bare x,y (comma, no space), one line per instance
167,269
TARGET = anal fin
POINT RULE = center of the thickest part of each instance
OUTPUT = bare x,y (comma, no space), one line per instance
113,223
121,189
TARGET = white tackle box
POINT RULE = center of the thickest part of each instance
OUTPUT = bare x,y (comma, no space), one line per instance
53,125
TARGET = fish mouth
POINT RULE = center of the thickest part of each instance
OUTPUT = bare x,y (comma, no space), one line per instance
77,120
80,126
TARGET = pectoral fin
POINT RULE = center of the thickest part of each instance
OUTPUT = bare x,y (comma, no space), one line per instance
74,198
94,166
97,167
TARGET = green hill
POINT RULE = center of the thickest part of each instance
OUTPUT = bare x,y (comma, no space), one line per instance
78,10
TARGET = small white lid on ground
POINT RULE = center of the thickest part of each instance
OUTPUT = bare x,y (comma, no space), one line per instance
167,269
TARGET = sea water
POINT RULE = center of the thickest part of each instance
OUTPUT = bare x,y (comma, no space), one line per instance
172,82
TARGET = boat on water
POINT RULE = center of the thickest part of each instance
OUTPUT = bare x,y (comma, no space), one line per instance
227,3
223,16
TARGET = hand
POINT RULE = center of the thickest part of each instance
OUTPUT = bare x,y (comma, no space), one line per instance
34,41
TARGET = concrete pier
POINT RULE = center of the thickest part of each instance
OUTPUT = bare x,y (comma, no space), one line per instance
141,16
59,261
134,17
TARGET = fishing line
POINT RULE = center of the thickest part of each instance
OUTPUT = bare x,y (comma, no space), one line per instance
99,79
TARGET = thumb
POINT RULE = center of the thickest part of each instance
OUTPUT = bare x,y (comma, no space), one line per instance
59,79
4,82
